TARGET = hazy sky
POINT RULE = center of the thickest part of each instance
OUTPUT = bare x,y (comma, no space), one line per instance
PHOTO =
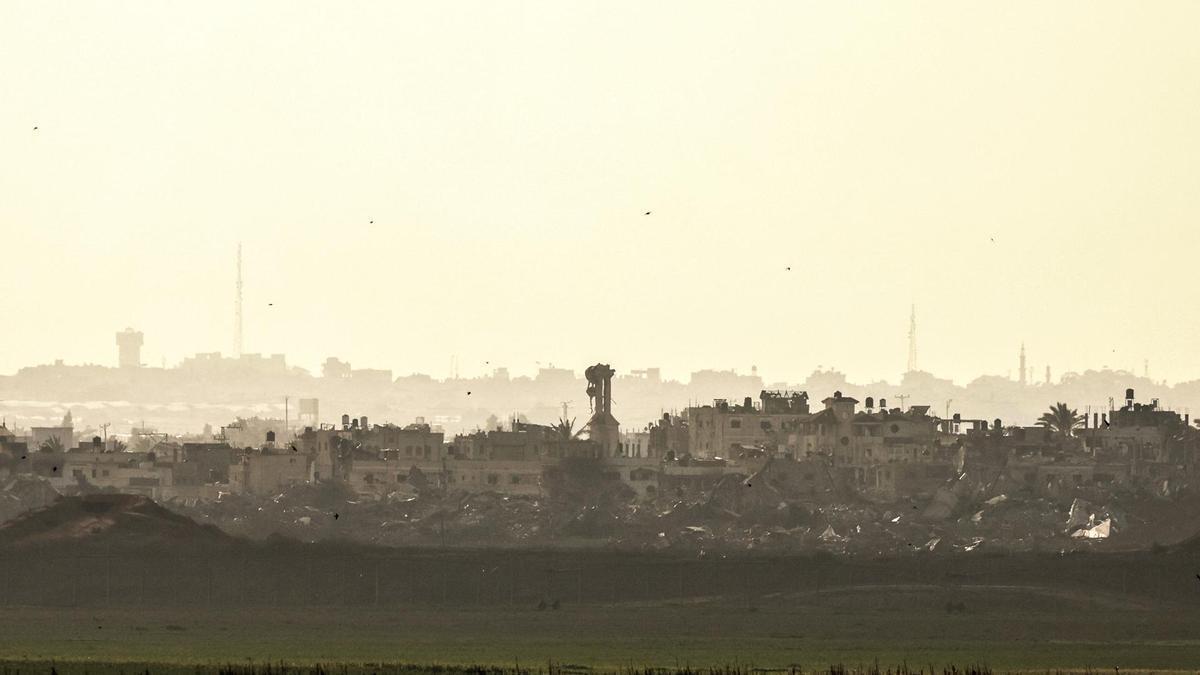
1019,170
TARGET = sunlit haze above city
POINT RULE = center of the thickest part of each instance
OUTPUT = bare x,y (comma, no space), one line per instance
679,185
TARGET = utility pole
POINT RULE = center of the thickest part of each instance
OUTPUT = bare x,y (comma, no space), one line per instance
285,418
948,402
903,398
104,427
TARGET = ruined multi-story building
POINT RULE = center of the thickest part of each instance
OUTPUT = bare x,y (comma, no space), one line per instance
889,450
728,431
337,449
669,437
1153,443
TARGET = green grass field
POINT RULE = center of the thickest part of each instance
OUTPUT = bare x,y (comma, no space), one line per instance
1006,629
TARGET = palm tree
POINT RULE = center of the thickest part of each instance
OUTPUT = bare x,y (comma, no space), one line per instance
564,429
52,444
1061,418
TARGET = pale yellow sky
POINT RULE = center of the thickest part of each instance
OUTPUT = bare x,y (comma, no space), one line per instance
1020,170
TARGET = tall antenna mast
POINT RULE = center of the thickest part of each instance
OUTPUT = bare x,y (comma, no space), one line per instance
237,307
912,340
1023,379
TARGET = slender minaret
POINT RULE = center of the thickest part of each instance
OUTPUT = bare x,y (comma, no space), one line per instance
237,308
912,340
1024,379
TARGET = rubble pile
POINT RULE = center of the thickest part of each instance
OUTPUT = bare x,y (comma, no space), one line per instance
22,493
758,512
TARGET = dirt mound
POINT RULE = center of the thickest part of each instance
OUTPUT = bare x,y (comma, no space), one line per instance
108,520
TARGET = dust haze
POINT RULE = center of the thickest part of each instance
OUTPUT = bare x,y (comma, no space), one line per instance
599,337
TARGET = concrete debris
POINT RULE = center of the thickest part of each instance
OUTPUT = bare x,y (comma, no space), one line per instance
1084,520
969,512
1079,514
945,501
25,493
1101,530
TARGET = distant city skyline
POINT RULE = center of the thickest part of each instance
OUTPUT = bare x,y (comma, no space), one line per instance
122,356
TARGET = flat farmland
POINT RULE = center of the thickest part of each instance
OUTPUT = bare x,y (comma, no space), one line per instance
1004,627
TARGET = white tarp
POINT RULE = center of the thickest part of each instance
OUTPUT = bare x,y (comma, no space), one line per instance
1101,530
1079,515
830,535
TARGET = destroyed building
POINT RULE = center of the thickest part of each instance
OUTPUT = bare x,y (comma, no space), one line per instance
730,431
771,472
1154,443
